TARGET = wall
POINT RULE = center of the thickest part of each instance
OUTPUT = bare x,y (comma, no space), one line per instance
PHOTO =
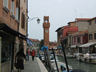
23,9
5,17
82,25
92,29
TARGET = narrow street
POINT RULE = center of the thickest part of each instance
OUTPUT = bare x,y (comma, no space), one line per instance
33,66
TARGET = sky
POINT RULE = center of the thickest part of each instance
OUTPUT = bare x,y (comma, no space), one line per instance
60,12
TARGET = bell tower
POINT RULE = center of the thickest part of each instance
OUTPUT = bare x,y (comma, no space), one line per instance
46,26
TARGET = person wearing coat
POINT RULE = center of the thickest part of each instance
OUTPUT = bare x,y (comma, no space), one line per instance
33,54
19,59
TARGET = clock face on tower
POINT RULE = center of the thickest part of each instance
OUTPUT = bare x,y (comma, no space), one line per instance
46,31
46,21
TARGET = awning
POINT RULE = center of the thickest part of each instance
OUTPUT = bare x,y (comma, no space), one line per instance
7,29
29,42
73,46
44,47
87,44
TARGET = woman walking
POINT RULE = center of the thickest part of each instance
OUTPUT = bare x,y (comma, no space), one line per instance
20,56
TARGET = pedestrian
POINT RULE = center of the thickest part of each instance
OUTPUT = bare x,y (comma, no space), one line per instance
33,54
27,54
19,60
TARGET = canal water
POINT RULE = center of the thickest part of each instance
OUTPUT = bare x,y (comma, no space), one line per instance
79,65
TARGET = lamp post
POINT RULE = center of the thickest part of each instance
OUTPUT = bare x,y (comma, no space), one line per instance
38,20
31,19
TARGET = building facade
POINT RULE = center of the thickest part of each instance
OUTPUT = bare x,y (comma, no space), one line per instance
59,36
82,23
92,35
35,44
13,31
92,30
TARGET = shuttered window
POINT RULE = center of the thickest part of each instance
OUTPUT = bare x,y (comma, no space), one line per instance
90,36
94,35
17,9
5,3
23,21
12,7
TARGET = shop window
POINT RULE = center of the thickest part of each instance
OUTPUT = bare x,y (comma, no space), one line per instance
90,36
6,53
23,21
5,3
12,7
94,35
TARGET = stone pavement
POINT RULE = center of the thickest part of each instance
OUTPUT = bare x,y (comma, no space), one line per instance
31,66
34,66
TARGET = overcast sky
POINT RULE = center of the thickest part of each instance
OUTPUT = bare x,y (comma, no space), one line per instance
60,13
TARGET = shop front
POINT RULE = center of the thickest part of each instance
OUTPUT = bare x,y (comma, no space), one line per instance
10,42
89,52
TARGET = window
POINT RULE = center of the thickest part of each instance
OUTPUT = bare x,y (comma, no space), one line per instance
17,13
5,3
12,7
94,35
95,21
23,21
27,4
90,36
78,39
74,39
6,49
17,9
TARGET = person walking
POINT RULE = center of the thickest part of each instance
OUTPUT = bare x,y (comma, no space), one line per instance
19,60
33,54
27,54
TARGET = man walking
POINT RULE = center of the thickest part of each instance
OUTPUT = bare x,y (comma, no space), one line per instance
33,54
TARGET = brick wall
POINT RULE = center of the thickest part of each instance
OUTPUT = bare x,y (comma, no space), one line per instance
5,17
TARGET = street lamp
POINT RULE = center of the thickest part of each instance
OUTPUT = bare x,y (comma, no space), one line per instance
30,19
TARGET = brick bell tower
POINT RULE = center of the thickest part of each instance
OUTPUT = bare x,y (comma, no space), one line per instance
46,26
